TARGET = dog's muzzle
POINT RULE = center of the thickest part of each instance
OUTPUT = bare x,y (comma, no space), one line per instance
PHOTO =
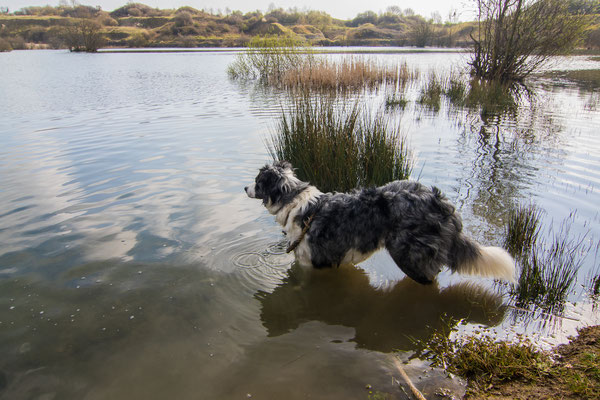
250,191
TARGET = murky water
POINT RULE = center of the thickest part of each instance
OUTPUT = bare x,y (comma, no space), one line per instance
132,264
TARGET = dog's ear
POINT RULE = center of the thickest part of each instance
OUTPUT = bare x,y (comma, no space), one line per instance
283,165
268,185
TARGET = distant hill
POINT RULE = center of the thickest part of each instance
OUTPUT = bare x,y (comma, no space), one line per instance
138,25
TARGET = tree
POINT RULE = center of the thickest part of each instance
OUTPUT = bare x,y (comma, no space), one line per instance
367,17
84,35
422,33
515,37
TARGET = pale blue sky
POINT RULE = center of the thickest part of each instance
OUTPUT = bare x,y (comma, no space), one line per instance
336,8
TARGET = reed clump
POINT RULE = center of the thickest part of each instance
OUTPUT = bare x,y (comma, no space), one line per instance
395,101
431,93
338,147
290,63
522,229
348,74
455,90
547,272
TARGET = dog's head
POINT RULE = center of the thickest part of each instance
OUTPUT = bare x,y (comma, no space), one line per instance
275,184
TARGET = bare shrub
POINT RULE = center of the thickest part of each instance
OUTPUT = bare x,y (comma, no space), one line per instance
515,37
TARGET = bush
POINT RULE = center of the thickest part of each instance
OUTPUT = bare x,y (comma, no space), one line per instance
84,35
4,45
268,58
517,37
183,18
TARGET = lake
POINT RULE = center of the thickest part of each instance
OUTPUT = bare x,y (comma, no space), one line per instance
134,266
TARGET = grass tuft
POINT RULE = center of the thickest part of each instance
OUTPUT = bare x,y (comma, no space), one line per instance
520,369
547,272
338,147
395,101
482,360
431,93
522,229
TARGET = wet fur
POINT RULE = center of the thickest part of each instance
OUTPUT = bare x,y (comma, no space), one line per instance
418,226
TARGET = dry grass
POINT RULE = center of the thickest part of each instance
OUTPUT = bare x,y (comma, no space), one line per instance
349,74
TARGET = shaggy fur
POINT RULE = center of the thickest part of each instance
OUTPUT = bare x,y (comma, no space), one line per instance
418,226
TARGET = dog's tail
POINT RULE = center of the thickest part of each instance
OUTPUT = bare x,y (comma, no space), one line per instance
470,258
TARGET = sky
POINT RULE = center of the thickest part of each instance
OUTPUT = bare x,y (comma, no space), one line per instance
336,8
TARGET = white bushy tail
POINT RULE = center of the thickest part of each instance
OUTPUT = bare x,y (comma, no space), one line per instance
492,261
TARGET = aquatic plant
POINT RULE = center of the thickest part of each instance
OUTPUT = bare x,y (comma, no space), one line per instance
268,58
493,97
431,93
455,89
348,74
522,229
395,100
548,273
338,147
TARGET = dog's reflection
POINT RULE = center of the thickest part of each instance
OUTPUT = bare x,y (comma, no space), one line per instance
384,319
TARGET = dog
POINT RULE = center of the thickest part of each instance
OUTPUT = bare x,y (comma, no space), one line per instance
418,226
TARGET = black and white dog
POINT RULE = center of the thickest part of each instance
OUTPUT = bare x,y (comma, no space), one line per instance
418,226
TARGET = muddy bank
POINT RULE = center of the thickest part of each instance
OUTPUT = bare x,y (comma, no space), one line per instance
575,374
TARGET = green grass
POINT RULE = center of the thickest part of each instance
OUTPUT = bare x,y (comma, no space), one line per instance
338,147
547,271
395,101
492,98
482,360
522,229
431,93
519,368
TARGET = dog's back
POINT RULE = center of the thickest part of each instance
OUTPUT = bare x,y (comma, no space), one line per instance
427,234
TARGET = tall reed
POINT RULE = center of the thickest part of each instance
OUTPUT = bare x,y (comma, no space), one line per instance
339,147
288,62
431,93
547,272
348,74
522,229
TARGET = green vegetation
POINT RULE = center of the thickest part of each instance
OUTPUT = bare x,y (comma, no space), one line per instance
522,230
547,272
4,45
395,100
83,35
431,93
520,370
270,58
587,78
338,148
138,25
287,62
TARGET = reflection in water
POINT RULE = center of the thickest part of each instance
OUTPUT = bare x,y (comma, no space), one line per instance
384,319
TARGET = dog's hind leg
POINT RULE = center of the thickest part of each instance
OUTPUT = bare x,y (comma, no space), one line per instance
417,262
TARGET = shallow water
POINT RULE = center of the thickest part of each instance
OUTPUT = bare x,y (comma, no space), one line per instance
132,264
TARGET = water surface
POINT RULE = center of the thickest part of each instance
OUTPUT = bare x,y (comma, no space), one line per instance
132,264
